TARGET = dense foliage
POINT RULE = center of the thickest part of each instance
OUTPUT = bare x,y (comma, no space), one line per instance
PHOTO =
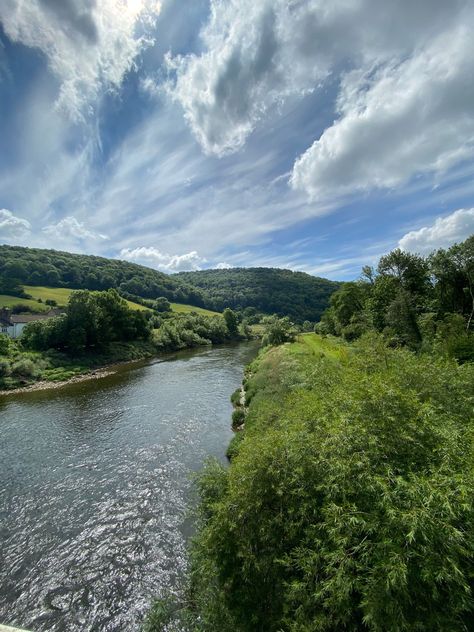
423,303
33,266
181,331
251,290
98,328
92,321
269,290
348,504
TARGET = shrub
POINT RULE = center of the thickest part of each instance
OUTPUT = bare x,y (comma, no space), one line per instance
349,505
238,417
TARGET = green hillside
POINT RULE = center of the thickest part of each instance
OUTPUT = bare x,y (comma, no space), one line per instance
53,268
12,301
60,295
270,290
180,308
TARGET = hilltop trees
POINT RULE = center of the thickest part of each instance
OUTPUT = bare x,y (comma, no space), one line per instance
270,290
34,266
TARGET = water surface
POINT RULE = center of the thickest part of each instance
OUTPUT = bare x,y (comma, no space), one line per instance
95,488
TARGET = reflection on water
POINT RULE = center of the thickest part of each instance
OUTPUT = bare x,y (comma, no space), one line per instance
94,488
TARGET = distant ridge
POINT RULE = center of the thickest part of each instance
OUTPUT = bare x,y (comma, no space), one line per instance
269,290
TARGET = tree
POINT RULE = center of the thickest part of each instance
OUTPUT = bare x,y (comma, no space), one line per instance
347,301
162,304
4,344
231,322
401,320
278,330
464,257
411,271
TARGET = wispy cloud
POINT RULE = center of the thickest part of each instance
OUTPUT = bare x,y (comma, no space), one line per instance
90,45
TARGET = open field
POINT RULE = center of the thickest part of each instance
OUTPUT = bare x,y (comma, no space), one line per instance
186,309
315,345
11,301
60,295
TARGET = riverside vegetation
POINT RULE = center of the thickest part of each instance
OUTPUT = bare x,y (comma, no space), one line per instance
348,502
252,291
99,328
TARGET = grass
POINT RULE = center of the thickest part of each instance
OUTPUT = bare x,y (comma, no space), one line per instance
180,308
60,295
11,301
315,345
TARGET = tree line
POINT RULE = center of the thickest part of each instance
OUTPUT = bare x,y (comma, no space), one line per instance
298,295
425,303
34,266
251,291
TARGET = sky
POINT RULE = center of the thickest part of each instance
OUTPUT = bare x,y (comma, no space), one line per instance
192,134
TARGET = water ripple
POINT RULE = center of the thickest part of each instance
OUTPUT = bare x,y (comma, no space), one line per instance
95,487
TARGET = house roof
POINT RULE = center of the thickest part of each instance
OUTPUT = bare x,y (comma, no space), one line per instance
27,318
30,318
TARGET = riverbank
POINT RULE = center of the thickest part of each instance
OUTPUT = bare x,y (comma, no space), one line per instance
44,385
354,465
39,371
97,484
30,364
96,366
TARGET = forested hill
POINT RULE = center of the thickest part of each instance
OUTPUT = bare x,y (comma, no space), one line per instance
270,290
32,266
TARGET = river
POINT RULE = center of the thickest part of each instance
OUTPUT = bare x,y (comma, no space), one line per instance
95,488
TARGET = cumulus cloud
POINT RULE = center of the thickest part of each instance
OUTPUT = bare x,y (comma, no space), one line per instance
223,265
70,228
89,44
405,71
163,261
11,225
443,233
407,118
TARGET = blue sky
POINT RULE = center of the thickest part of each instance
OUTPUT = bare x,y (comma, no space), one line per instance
189,134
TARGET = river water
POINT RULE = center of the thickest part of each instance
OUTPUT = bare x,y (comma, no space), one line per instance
95,488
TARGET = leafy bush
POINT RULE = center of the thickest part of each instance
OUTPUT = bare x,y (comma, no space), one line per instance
5,344
238,417
349,505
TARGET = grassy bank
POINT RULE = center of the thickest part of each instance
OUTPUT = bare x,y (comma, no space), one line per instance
30,369
348,503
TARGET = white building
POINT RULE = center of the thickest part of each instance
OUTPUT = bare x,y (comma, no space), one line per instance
13,324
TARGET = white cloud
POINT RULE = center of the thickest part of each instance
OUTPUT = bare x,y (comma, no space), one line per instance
70,228
89,44
405,119
11,225
223,265
163,261
443,233
406,91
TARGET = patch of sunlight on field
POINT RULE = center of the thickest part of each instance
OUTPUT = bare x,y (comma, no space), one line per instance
186,309
314,344
11,301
